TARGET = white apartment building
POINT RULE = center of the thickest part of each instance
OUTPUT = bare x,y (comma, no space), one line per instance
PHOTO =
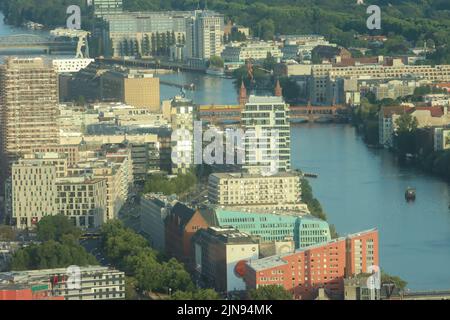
238,189
70,65
240,52
267,135
394,89
376,71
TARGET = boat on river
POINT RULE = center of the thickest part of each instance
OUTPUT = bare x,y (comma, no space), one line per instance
410,194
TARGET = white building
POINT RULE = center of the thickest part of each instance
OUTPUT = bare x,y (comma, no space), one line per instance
204,35
240,52
268,138
70,65
238,189
182,122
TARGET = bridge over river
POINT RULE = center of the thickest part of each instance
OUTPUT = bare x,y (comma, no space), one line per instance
18,43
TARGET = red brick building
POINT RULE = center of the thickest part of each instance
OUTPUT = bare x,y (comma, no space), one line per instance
181,224
321,266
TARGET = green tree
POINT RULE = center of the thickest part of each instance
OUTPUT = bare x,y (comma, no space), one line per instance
7,233
397,281
56,228
271,292
216,61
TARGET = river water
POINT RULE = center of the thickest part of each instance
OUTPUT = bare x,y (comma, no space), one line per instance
358,187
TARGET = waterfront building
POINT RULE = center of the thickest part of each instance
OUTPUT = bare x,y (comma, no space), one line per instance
276,226
204,35
386,124
182,123
321,266
394,89
107,7
70,65
143,33
220,255
220,114
267,141
357,288
154,208
441,139
240,189
97,283
258,51
133,87
29,100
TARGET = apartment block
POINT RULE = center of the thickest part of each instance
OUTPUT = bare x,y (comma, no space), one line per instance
255,190
268,137
95,283
324,265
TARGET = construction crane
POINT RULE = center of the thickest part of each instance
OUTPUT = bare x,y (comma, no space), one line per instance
82,37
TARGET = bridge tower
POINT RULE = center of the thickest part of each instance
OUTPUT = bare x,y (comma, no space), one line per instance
242,94
278,89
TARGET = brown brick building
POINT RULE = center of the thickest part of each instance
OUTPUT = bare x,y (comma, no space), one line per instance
181,224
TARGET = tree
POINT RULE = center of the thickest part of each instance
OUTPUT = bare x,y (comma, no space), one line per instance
199,294
7,233
216,61
266,29
57,228
404,138
397,281
271,292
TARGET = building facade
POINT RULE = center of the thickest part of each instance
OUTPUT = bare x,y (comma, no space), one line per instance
267,137
220,254
325,265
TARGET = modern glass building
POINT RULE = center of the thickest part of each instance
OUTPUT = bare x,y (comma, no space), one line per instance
305,230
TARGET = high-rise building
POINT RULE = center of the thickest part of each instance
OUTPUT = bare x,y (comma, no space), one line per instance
107,7
204,35
324,265
182,121
268,138
28,108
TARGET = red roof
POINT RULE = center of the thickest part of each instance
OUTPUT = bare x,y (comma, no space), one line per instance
435,111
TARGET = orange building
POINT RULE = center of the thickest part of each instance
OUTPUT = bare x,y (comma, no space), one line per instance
325,266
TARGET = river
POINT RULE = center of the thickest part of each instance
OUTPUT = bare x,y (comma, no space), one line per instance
359,188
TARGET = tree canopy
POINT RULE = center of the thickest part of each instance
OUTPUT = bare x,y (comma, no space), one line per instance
271,292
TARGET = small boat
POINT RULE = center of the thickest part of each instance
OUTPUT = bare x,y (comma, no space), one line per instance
410,194
215,71
310,175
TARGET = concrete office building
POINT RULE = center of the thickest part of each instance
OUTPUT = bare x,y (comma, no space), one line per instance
204,35
321,266
29,107
276,226
107,7
70,65
268,136
240,52
135,88
141,33
83,200
220,255
240,189
33,188
154,208
97,283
